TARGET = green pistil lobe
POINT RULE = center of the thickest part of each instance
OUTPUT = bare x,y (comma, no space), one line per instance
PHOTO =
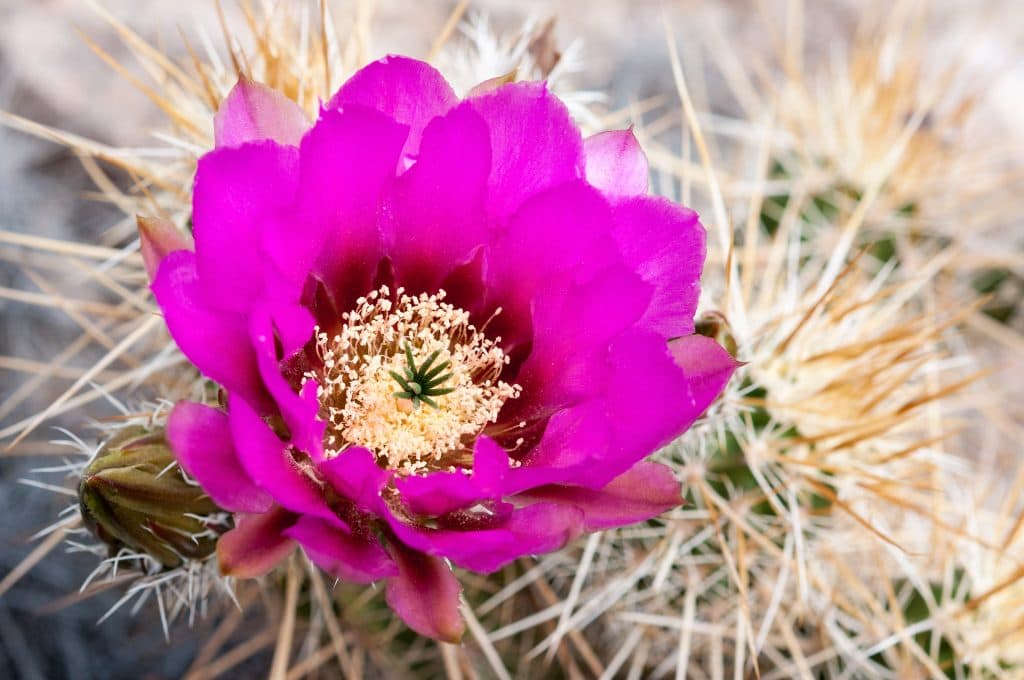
422,383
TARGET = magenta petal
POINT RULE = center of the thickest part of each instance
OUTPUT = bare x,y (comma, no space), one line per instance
438,493
409,91
534,144
575,442
201,439
439,201
573,327
350,557
664,243
650,400
707,367
654,391
256,545
355,475
561,235
644,491
561,231
238,195
533,530
289,327
426,595
253,112
269,462
348,167
216,342
615,163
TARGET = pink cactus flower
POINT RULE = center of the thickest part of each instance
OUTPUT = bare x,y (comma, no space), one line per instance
448,331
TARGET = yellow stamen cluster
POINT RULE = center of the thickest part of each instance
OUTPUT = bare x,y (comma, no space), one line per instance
357,390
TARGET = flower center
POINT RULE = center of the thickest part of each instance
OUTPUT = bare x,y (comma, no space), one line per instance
411,379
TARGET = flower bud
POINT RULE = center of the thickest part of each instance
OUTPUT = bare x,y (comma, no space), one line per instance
132,495
714,325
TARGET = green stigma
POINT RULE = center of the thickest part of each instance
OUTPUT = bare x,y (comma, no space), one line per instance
424,382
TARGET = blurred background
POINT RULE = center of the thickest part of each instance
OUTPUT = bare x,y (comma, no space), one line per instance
48,74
